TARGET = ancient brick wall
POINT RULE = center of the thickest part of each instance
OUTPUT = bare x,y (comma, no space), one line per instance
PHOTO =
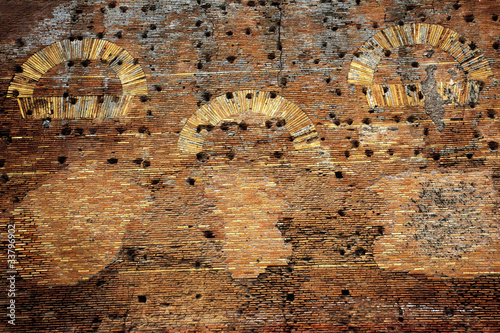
250,166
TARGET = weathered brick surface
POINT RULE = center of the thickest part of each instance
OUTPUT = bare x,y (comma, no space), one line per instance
320,205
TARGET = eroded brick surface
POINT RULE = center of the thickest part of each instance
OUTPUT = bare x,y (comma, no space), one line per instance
354,189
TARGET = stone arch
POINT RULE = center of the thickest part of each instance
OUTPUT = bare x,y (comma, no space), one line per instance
297,122
130,74
470,58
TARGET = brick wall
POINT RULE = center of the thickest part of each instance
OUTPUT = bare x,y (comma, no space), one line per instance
250,166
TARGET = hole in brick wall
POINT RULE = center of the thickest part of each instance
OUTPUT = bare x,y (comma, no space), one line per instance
5,178
283,81
271,56
141,299
208,34
273,95
251,3
155,182
62,159
229,95
375,25
144,99
469,18
357,54
338,174
336,122
355,143
494,17
411,119
138,161
18,69
278,154
112,160
208,127
416,152
281,122
208,234
198,296
146,164
85,63
345,292
328,80
397,118
142,129
390,151
462,39
100,99
331,114
472,104
415,64
347,153
495,45
290,297
119,34
65,131
456,6
493,145
248,31
243,126
435,156
472,46
249,96
338,92
190,181
19,42
207,96
316,61
70,63
199,65
269,124
359,252
202,157
66,94
469,155
342,54
401,23
369,152
229,33
158,88
491,113
367,121
198,23
93,131
231,59
144,34
2,163
341,212
123,8
230,155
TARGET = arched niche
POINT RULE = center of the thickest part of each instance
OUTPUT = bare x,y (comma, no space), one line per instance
130,74
463,51
298,124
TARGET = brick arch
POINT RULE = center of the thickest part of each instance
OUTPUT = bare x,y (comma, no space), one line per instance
297,122
471,60
130,74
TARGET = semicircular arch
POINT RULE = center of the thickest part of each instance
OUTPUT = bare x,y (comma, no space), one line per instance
128,71
298,124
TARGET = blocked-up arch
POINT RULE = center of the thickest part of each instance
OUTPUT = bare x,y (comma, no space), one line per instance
130,74
297,122
470,58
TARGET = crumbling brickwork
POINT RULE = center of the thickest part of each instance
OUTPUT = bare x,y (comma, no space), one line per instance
250,166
